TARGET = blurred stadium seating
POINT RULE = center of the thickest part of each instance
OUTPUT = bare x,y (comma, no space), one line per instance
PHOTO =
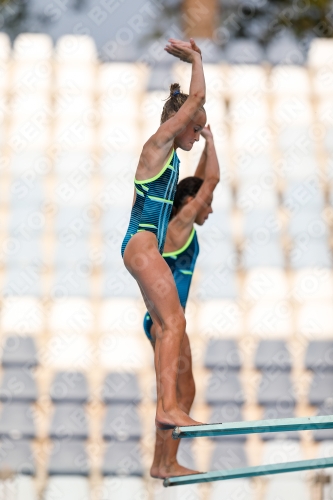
77,382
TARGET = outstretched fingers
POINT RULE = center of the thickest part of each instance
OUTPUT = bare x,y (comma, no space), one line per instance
183,50
173,49
194,46
178,52
190,45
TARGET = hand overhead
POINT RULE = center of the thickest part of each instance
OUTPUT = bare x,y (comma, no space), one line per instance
207,133
185,51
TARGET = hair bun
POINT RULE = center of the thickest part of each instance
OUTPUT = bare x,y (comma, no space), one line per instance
173,102
174,89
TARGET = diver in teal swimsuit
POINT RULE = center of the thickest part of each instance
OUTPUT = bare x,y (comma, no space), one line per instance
192,204
182,120
182,261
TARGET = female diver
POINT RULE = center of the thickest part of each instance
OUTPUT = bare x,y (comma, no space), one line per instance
182,121
180,252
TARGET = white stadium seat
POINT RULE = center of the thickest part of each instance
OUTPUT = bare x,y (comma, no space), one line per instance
69,351
251,166
257,194
123,352
78,105
4,47
283,451
304,196
328,139
312,284
122,78
123,106
288,489
72,133
248,108
290,80
119,164
324,110
75,79
27,78
220,318
150,111
254,137
76,49
67,488
30,164
244,79
29,105
269,318
20,487
228,490
22,281
72,316
23,315
222,197
26,134
32,47
309,251
292,109
74,191
260,225
68,162
320,54
120,315
315,319
115,135
296,136
4,78
265,252
322,81
295,168
188,491
121,488
3,110
269,283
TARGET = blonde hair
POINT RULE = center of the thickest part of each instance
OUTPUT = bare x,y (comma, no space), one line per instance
174,102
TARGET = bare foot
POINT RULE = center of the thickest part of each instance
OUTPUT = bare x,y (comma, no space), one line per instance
175,470
173,418
154,471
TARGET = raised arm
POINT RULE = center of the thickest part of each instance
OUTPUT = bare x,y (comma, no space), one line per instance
209,171
201,167
187,52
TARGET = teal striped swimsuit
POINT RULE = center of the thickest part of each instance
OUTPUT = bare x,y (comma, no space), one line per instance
153,204
182,263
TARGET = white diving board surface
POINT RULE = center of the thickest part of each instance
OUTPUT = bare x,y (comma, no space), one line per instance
254,427
261,470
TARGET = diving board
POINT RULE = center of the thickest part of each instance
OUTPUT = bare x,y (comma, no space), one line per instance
254,427
261,470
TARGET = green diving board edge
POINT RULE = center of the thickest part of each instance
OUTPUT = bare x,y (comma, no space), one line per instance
261,470
254,427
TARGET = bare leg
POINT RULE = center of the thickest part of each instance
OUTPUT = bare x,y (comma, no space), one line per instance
165,454
144,262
